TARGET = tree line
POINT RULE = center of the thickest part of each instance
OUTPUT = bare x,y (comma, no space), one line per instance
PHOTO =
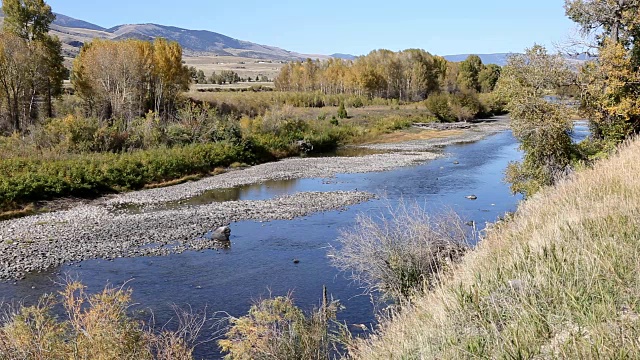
221,78
409,75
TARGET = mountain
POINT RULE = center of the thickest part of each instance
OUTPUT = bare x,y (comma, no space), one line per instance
343,56
67,21
74,33
498,59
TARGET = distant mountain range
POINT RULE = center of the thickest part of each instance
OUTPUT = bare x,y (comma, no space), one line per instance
498,59
74,33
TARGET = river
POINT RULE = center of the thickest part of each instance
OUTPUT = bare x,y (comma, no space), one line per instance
260,261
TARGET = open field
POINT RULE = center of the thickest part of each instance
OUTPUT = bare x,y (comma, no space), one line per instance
243,66
557,280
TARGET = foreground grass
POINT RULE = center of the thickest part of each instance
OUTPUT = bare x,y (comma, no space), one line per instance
557,280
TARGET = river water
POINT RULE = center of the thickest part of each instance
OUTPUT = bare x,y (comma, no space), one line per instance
261,258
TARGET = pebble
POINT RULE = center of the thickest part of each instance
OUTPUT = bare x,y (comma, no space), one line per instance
93,231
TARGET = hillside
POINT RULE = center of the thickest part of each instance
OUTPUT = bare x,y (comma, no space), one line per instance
558,280
74,33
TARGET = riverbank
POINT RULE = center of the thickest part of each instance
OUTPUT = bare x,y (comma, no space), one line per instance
104,228
37,243
556,280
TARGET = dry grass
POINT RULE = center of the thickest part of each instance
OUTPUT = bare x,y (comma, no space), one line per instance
179,181
13,214
401,252
243,66
559,279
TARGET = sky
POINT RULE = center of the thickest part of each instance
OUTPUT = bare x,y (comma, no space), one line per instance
442,27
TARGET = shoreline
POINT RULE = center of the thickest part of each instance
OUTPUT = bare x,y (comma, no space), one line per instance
97,229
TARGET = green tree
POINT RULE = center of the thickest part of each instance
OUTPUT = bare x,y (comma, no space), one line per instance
200,77
470,69
29,19
488,77
543,127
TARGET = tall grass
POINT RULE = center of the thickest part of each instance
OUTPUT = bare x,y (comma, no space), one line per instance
401,253
559,279
36,178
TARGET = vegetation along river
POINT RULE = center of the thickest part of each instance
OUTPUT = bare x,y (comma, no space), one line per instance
260,261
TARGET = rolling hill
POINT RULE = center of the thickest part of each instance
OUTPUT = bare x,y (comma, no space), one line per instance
74,33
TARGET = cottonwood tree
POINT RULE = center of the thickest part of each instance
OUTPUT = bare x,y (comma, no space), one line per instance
40,73
543,127
124,79
409,75
469,73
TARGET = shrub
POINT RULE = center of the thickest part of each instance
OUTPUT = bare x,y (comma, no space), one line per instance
402,253
438,105
93,327
342,111
277,329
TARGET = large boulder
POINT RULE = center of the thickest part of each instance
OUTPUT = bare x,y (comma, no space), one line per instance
221,234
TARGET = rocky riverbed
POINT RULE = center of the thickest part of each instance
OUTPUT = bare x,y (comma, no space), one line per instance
287,169
37,243
106,229
473,131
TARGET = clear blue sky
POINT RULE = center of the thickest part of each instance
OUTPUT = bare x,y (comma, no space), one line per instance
441,27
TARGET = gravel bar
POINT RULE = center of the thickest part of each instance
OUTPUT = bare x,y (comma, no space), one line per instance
37,243
287,169
472,132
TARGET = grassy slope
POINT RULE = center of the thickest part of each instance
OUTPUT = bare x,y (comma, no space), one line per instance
559,280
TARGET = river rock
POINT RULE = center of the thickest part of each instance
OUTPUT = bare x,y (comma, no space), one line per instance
221,234
304,146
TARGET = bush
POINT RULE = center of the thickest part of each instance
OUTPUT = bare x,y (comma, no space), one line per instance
438,105
32,179
342,111
277,329
401,254
94,327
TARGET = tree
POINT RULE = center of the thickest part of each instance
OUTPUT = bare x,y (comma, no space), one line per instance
617,20
15,69
542,127
470,69
488,77
610,84
124,79
29,19
611,94
200,77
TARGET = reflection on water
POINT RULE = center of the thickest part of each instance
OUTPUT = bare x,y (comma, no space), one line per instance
261,191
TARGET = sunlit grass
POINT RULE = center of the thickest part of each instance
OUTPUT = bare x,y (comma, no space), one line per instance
559,279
